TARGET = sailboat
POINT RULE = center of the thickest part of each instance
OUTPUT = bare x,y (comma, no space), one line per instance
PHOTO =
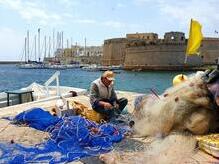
31,64
59,50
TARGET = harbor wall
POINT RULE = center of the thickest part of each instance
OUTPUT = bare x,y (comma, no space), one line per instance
161,56
210,50
146,50
114,51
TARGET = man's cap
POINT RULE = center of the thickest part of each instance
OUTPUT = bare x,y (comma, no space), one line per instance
109,75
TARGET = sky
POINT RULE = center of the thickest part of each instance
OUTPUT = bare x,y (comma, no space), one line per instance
97,20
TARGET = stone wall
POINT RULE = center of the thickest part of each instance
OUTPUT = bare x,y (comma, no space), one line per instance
210,50
174,37
163,55
141,51
114,51
144,36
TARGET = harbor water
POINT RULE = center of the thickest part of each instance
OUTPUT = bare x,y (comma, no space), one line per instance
12,78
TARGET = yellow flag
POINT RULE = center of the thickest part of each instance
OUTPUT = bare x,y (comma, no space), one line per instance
195,38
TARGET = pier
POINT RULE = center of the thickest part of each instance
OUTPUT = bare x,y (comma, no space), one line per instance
29,136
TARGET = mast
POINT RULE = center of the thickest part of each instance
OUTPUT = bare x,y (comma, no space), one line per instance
35,52
25,49
62,40
57,44
49,47
85,48
67,43
28,48
53,42
39,43
45,46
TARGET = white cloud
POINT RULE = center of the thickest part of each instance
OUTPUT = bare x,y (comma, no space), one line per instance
69,3
120,5
113,24
140,2
181,12
33,12
85,21
11,44
206,12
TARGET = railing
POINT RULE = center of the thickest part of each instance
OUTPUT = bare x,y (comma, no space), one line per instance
55,76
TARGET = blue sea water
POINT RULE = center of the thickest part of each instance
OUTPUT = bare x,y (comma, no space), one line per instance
12,78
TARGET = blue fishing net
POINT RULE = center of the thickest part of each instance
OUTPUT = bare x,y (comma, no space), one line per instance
71,138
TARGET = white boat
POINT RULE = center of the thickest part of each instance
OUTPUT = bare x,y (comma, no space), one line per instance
31,66
55,66
92,67
72,66
95,67
43,92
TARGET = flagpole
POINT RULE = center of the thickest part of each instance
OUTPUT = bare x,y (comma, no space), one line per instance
185,61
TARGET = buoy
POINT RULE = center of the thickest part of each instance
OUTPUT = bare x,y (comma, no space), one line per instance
179,79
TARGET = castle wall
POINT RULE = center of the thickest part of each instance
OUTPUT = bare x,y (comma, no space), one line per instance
210,50
145,36
145,50
114,52
174,37
163,55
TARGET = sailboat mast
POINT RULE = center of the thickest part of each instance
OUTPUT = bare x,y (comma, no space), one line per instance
85,47
57,44
28,48
67,43
49,47
25,49
45,46
62,41
53,42
39,43
35,52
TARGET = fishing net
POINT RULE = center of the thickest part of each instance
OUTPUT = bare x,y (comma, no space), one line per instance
71,138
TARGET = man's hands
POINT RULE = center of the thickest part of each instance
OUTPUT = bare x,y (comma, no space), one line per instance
116,106
107,105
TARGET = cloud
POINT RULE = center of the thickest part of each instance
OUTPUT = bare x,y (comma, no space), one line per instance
113,24
120,5
11,44
85,21
32,11
140,2
206,12
69,3
185,10
178,14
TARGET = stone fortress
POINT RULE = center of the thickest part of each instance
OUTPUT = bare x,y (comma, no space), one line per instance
147,51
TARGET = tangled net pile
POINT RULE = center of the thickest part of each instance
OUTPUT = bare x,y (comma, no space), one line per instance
71,138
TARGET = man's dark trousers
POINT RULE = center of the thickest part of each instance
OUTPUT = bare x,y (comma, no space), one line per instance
122,102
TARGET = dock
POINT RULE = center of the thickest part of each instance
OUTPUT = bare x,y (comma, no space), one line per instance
29,136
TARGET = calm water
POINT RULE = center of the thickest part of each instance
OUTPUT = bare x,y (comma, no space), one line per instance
13,78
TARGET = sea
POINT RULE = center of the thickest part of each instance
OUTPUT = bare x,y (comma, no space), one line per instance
12,78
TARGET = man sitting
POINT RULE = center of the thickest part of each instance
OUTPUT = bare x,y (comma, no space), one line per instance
103,97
